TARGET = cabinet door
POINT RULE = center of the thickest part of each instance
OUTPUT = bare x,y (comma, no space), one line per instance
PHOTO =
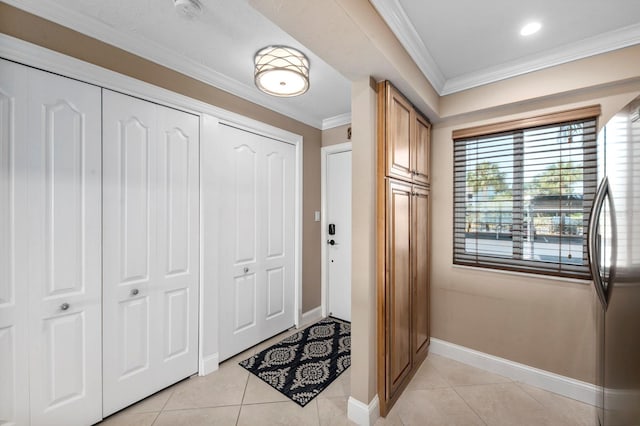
420,254
398,289
421,150
399,132
64,218
14,294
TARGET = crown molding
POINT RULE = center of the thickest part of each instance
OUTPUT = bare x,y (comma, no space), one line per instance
337,120
603,43
156,53
396,18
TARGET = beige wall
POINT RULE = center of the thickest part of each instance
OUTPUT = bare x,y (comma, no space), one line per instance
544,323
363,249
335,136
30,28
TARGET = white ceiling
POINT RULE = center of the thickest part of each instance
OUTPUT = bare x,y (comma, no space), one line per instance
466,43
457,44
216,47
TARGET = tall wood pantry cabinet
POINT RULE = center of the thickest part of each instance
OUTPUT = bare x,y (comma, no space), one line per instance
403,242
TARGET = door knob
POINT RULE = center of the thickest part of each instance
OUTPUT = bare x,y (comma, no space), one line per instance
64,306
134,292
332,242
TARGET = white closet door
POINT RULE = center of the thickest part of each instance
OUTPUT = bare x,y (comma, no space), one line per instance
257,231
14,326
150,276
64,211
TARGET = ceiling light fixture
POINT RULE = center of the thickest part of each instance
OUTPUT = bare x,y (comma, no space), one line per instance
188,8
281,71
530,28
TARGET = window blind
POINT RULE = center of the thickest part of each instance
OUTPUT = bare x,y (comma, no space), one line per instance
522,196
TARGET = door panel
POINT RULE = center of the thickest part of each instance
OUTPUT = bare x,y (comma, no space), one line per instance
338,211
275,204
275,292
14,296
134,188
421,255
399,280
421,152
399,135
135,337
65,246
257,182
150,248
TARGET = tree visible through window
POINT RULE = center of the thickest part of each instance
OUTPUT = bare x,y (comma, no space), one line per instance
522,197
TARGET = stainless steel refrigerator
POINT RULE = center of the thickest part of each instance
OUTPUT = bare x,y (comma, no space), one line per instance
614,253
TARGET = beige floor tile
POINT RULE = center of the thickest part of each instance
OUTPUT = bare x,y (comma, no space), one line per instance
223,387
457,373
505,404
392,419
153,403
333,412
427,377
279,413
124,418
566,410
340,387
219,416
258,392
432,407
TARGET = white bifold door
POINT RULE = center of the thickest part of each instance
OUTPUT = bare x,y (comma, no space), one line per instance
151,254
257,178
50,238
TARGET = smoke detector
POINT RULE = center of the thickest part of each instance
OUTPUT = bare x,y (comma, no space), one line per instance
188,8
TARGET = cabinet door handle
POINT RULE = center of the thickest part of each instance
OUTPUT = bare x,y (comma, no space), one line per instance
64,306
135,292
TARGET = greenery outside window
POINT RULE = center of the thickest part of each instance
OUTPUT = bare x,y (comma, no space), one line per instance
523,192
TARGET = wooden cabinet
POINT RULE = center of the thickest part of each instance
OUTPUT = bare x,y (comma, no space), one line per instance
403,243
406,137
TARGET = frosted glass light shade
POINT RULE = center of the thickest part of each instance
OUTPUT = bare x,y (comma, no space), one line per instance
281,71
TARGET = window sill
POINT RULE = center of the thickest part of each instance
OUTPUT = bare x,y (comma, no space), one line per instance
524,274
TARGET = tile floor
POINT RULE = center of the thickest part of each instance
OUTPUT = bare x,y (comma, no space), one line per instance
443,392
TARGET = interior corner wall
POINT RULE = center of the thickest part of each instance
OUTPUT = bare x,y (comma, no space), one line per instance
25,26
544,323
335,135
363,250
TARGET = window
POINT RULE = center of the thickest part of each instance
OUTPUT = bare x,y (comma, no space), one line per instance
523,191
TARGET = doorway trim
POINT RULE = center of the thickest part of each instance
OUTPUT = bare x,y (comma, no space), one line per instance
325,151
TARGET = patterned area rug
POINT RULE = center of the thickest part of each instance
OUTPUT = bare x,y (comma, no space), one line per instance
303,364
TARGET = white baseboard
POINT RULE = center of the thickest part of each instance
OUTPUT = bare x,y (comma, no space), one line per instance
562,385
208,364
311,316
363,414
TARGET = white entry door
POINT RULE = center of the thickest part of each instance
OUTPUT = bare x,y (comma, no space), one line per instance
50,236
338,221
257,238
151,254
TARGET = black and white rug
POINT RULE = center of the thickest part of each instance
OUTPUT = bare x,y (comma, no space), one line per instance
303,364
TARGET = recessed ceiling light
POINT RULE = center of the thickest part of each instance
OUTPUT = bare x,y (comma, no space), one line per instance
530,28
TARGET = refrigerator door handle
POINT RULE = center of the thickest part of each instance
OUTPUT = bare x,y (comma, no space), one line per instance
593,246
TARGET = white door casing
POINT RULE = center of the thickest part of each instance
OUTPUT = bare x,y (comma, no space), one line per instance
150,279
336,206
257,238
53,162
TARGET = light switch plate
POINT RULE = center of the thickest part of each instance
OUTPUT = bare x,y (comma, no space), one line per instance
317,216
